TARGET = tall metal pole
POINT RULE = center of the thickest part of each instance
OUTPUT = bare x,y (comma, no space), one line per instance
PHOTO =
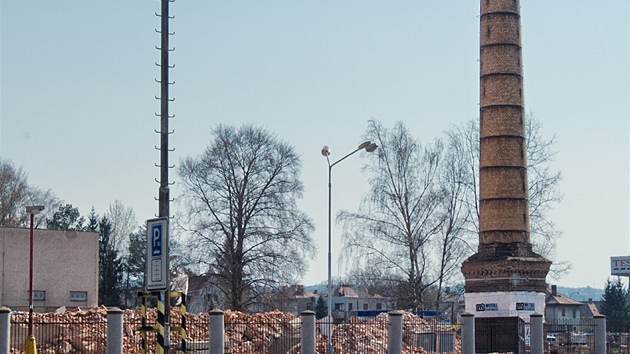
329,256
164,192
30,282
369,147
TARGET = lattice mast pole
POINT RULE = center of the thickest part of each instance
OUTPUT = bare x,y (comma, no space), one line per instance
164,191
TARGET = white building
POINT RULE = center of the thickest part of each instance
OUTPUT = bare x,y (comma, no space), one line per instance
65,268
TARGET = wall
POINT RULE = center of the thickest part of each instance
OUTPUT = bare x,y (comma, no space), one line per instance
63,261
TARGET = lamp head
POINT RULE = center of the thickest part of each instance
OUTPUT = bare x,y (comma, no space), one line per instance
371,147
326,151
34,209
364,145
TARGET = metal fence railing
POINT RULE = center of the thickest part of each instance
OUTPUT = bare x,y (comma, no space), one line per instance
264,333
81,332
570,336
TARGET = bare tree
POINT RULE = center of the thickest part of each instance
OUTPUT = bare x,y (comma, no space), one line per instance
543,185
453,245
16,194
124,225
399,217
242,217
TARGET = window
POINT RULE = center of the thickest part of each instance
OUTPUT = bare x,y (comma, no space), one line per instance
309,306
574,313
338,307
365,306
564,312
78,296
38,295
350,307
379,306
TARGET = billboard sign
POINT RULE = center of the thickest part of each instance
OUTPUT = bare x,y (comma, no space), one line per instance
620,265
156,274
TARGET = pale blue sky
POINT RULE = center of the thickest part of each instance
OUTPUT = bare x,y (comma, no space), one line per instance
77,106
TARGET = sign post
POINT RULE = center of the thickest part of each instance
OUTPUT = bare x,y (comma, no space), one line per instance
620,266
157,255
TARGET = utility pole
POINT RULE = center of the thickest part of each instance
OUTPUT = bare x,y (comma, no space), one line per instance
164,191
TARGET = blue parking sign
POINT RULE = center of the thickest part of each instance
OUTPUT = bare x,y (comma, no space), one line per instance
156,240
156,272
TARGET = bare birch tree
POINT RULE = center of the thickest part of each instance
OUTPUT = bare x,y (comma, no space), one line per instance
398,218
543,186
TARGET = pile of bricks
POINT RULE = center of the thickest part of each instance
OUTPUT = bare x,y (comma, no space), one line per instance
85,331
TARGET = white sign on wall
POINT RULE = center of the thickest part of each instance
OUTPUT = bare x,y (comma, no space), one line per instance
505,304
620,265
156,274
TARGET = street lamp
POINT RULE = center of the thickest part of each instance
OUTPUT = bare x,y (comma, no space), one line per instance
36,209
369,147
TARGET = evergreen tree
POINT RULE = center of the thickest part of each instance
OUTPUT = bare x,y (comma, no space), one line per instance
92,223
134,266
615,307
110,266
66,217
321,308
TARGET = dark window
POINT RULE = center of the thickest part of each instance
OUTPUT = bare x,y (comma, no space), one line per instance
78,296
365,306
379,306
38,295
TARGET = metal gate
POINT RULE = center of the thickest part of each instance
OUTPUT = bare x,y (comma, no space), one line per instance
500,335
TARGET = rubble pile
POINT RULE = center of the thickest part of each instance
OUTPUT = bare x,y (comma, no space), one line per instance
85,331
75,331
370,337
261,332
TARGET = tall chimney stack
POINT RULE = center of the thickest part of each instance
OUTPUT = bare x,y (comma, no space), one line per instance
504,262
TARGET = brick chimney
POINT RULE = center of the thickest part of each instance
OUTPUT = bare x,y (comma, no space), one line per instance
504,260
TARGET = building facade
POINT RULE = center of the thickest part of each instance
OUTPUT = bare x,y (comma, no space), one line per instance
65,269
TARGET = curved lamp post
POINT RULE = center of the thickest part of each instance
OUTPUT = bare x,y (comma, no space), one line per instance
30,340
369,147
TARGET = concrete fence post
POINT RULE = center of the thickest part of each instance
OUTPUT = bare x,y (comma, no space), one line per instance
307,335
599,337
217,330
537,343
394,338
468,333
114,331
5,329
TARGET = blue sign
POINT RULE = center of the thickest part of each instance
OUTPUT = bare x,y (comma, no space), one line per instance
156,273
156,240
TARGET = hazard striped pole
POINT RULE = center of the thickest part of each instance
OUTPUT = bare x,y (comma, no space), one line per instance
143,332
160,327
183,329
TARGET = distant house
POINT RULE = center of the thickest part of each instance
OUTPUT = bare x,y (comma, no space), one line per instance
295,299
65,269
561,311
591,308
203,295
348,302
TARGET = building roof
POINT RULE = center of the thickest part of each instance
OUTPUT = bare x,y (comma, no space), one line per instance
298,291
592,309
553,297
345,290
